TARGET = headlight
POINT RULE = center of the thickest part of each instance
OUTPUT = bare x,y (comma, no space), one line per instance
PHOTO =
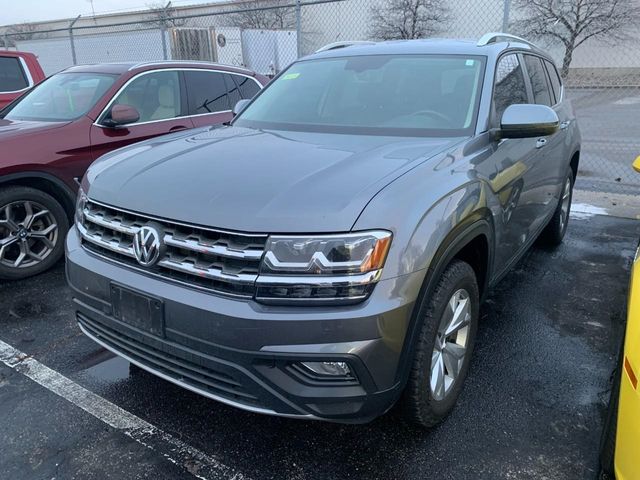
324,269
81,202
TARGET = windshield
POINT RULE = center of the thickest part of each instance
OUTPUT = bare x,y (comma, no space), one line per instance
423,95
62,97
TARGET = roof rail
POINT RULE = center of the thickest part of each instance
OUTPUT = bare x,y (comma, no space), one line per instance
343,44
186,62
494,37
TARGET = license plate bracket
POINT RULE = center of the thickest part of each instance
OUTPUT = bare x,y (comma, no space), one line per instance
138,310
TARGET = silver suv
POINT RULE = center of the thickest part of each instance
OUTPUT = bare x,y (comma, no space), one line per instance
325,255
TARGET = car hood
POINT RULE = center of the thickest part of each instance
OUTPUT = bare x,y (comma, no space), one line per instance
14,128
257,181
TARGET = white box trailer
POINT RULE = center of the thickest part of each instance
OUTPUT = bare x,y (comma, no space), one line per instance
265,51
269,51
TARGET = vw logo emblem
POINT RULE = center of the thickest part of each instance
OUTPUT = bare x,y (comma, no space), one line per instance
147,244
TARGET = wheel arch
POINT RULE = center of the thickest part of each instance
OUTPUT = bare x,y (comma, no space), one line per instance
45,182
471,241
574,163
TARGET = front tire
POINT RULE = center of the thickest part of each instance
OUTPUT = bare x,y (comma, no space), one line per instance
33,226
554,232
449,320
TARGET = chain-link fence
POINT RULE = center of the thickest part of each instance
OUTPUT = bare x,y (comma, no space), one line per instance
603,78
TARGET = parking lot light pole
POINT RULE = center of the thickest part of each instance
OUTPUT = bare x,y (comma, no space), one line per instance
73,46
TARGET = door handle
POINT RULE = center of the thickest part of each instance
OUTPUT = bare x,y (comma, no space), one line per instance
177,128
565,124
541,142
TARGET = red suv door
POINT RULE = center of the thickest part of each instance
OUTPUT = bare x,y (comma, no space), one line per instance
160,99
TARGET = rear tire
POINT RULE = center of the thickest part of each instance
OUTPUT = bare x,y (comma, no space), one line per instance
441,361
33,226
554,232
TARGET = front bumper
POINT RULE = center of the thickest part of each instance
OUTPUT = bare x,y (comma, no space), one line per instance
241,353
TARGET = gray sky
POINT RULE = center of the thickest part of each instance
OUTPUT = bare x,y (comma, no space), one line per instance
18,11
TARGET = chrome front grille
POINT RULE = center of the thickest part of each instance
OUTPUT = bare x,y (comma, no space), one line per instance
219,261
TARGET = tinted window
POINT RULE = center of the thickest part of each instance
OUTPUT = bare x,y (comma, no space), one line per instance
426,95
248,87
64,96
556,84
12,76
207,92
539,84
155,95
232,88
510,86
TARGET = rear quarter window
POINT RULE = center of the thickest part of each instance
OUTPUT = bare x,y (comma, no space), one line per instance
12,75
556,83
248,87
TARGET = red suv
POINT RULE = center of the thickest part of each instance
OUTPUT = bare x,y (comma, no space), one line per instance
52,134
19,71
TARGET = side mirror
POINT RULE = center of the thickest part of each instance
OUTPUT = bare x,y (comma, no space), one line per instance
241,105
527,120
122,114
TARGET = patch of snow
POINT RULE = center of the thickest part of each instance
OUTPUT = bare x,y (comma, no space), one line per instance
584,210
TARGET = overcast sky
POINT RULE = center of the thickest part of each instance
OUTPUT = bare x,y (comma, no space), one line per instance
18,11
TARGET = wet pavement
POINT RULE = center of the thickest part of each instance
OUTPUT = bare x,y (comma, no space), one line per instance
532,406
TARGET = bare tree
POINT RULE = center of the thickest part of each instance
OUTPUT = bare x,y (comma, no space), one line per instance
23,31
573,22
408,19
163,15
265,15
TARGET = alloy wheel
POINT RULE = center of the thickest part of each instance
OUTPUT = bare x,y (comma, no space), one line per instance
451,343
28,234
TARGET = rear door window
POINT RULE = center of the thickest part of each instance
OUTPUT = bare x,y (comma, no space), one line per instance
207,92
538,77
12,75
510,87
556,83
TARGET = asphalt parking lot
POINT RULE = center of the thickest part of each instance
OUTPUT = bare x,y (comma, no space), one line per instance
532,406
610,138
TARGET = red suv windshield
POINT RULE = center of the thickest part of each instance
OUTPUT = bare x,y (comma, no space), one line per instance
63,97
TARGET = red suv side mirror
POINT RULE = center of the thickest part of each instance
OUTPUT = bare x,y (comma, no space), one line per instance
122,114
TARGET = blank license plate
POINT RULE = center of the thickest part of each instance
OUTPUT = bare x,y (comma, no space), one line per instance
140,311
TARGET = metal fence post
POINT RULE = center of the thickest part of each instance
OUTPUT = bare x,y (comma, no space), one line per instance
163,33
505,15
298,28
73,46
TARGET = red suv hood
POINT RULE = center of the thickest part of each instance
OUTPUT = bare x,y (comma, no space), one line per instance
13,128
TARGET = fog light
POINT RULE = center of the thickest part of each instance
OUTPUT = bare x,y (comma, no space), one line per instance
334,369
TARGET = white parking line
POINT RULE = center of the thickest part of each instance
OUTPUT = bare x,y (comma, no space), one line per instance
174,450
